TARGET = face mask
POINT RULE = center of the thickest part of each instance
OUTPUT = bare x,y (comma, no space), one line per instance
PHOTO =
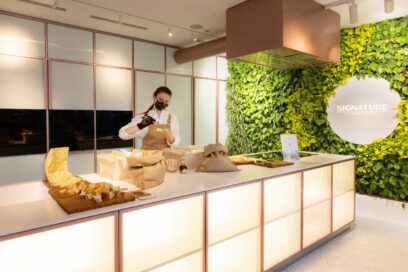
160,105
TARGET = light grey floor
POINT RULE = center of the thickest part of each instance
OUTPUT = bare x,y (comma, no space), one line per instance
373,245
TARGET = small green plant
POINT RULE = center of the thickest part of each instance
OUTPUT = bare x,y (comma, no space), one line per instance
264,103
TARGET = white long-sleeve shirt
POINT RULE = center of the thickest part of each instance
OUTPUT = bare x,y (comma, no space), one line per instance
162,119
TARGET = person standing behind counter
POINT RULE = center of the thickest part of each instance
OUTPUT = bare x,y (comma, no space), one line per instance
157,127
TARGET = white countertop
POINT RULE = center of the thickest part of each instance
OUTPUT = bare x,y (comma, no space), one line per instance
26,206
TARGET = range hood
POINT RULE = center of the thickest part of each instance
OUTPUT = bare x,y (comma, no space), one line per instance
281,34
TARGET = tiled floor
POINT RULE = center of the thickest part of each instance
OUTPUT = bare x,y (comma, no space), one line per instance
373,245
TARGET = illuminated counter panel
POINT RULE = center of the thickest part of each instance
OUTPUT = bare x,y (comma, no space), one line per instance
164,237
316,186
87,246
282,218
282,196
193,262
282,239
233,218
233,211
343,194
238,254
343,177
343,210
316,222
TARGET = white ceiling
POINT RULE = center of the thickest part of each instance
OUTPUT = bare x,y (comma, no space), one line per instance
177,15
369,11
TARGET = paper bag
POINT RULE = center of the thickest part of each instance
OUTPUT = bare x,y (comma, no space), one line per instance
193,155
147,168
216,160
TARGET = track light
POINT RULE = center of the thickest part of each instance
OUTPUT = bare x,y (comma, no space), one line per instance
388,6
170,33
353,13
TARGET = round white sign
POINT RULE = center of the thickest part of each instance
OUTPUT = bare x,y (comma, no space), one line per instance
363,110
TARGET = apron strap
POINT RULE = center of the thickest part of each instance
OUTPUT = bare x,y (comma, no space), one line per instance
169,119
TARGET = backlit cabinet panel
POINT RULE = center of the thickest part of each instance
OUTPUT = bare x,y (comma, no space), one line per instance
316,204
165,237
343,193
233,221
87,246
282,218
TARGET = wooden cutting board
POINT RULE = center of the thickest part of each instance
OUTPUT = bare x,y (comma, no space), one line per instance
74,203
272,163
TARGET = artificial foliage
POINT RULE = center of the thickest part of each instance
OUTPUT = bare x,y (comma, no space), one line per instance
263,103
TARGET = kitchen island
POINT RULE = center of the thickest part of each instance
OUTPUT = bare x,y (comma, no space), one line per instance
256,219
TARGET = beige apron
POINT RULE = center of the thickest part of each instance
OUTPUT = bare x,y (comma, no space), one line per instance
155,138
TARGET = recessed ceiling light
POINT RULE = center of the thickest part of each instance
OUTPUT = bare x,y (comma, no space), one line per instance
196,26
170,33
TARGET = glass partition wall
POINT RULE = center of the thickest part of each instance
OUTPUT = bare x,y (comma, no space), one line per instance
79,86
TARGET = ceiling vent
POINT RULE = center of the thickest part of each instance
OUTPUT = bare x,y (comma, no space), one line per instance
117,22
42,5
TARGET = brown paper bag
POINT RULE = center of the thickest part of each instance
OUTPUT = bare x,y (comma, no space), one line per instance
173,159
147,168
192,155
216,160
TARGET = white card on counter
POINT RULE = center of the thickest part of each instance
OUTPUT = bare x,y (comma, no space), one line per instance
290,147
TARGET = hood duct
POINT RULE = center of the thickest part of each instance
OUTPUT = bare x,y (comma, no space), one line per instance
281,34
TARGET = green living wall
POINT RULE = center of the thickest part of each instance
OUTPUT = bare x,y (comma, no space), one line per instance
264,103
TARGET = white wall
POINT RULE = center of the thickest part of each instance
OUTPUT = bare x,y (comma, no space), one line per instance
114,77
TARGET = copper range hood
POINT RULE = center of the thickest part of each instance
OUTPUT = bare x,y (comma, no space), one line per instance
281,34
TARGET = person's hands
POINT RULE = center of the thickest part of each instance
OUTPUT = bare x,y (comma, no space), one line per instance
146,121
169,137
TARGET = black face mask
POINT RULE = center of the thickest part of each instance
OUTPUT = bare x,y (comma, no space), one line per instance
160,105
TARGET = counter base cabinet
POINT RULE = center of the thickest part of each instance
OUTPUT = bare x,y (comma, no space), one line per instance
259,225
87,246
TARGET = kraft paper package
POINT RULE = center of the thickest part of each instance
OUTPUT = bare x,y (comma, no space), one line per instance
147,168
193,155
216,159
173,158
114,165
